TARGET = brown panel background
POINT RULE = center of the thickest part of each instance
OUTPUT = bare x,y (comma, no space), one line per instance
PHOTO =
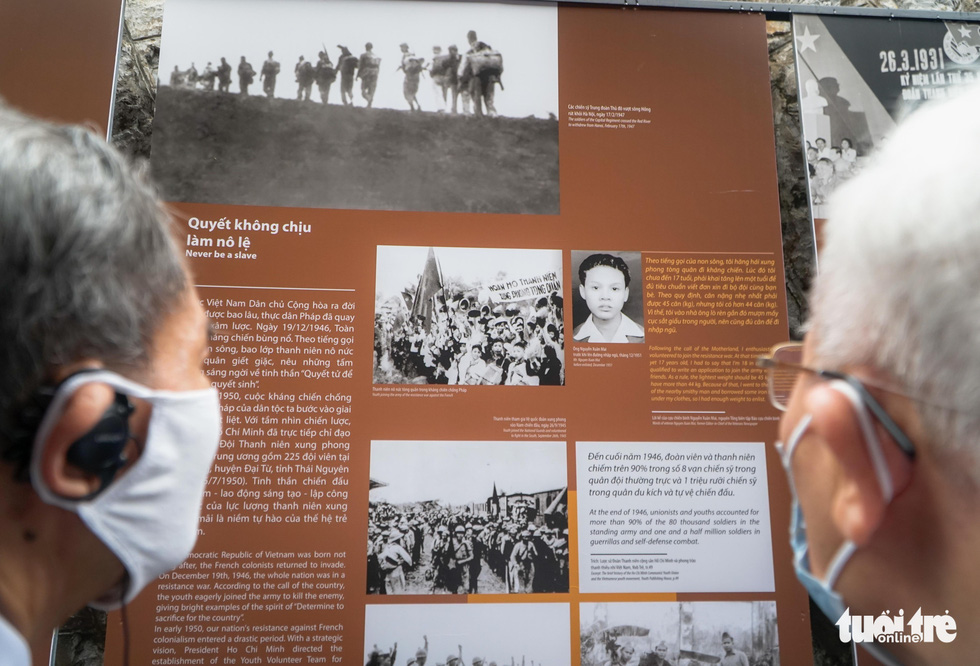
57,59
700,178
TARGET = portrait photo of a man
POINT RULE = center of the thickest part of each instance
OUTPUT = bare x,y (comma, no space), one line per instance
602,313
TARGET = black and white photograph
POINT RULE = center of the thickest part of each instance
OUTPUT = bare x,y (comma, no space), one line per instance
687,633
607,303
467,634
469,316
455,517
858,78
359,104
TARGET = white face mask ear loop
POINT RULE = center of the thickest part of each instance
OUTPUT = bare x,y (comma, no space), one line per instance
796,436
870,436
837,565
786,451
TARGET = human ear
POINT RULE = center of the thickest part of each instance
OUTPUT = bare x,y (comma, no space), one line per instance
581,290
78,415
854,438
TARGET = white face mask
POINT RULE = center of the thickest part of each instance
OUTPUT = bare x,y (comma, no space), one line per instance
148,516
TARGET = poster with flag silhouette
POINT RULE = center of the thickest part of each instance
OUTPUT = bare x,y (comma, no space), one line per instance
859,77
473,316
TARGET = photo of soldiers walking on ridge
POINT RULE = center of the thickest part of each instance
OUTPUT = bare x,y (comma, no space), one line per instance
458,50
485,634
393,124
505,542
476,75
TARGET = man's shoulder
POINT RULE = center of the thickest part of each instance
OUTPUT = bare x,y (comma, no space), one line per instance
633,331
584,331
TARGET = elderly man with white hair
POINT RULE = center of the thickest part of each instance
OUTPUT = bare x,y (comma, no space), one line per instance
881,431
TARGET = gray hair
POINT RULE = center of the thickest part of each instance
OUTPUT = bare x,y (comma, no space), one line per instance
88,267
899,282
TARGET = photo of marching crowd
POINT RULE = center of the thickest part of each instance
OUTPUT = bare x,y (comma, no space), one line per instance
526,634
688,633
468,518
359,104
472,316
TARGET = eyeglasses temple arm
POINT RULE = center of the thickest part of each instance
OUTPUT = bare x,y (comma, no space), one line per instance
904,443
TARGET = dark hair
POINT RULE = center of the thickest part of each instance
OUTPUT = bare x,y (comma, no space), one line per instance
609,260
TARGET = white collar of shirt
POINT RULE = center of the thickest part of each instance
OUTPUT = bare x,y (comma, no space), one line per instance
13,646
589,332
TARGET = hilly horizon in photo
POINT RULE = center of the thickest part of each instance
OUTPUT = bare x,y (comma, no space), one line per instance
214,147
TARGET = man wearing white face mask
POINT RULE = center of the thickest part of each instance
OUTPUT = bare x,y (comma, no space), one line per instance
108,425
881,431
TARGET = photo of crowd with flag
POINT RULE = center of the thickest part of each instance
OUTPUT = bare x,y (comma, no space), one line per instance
500,329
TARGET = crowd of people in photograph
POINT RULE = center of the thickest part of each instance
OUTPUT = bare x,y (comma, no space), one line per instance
829,166
618,651
475,342
459,81
442,551
379,657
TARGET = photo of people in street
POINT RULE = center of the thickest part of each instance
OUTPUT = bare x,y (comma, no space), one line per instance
687,633
468,518
359,104
469,316
467,635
